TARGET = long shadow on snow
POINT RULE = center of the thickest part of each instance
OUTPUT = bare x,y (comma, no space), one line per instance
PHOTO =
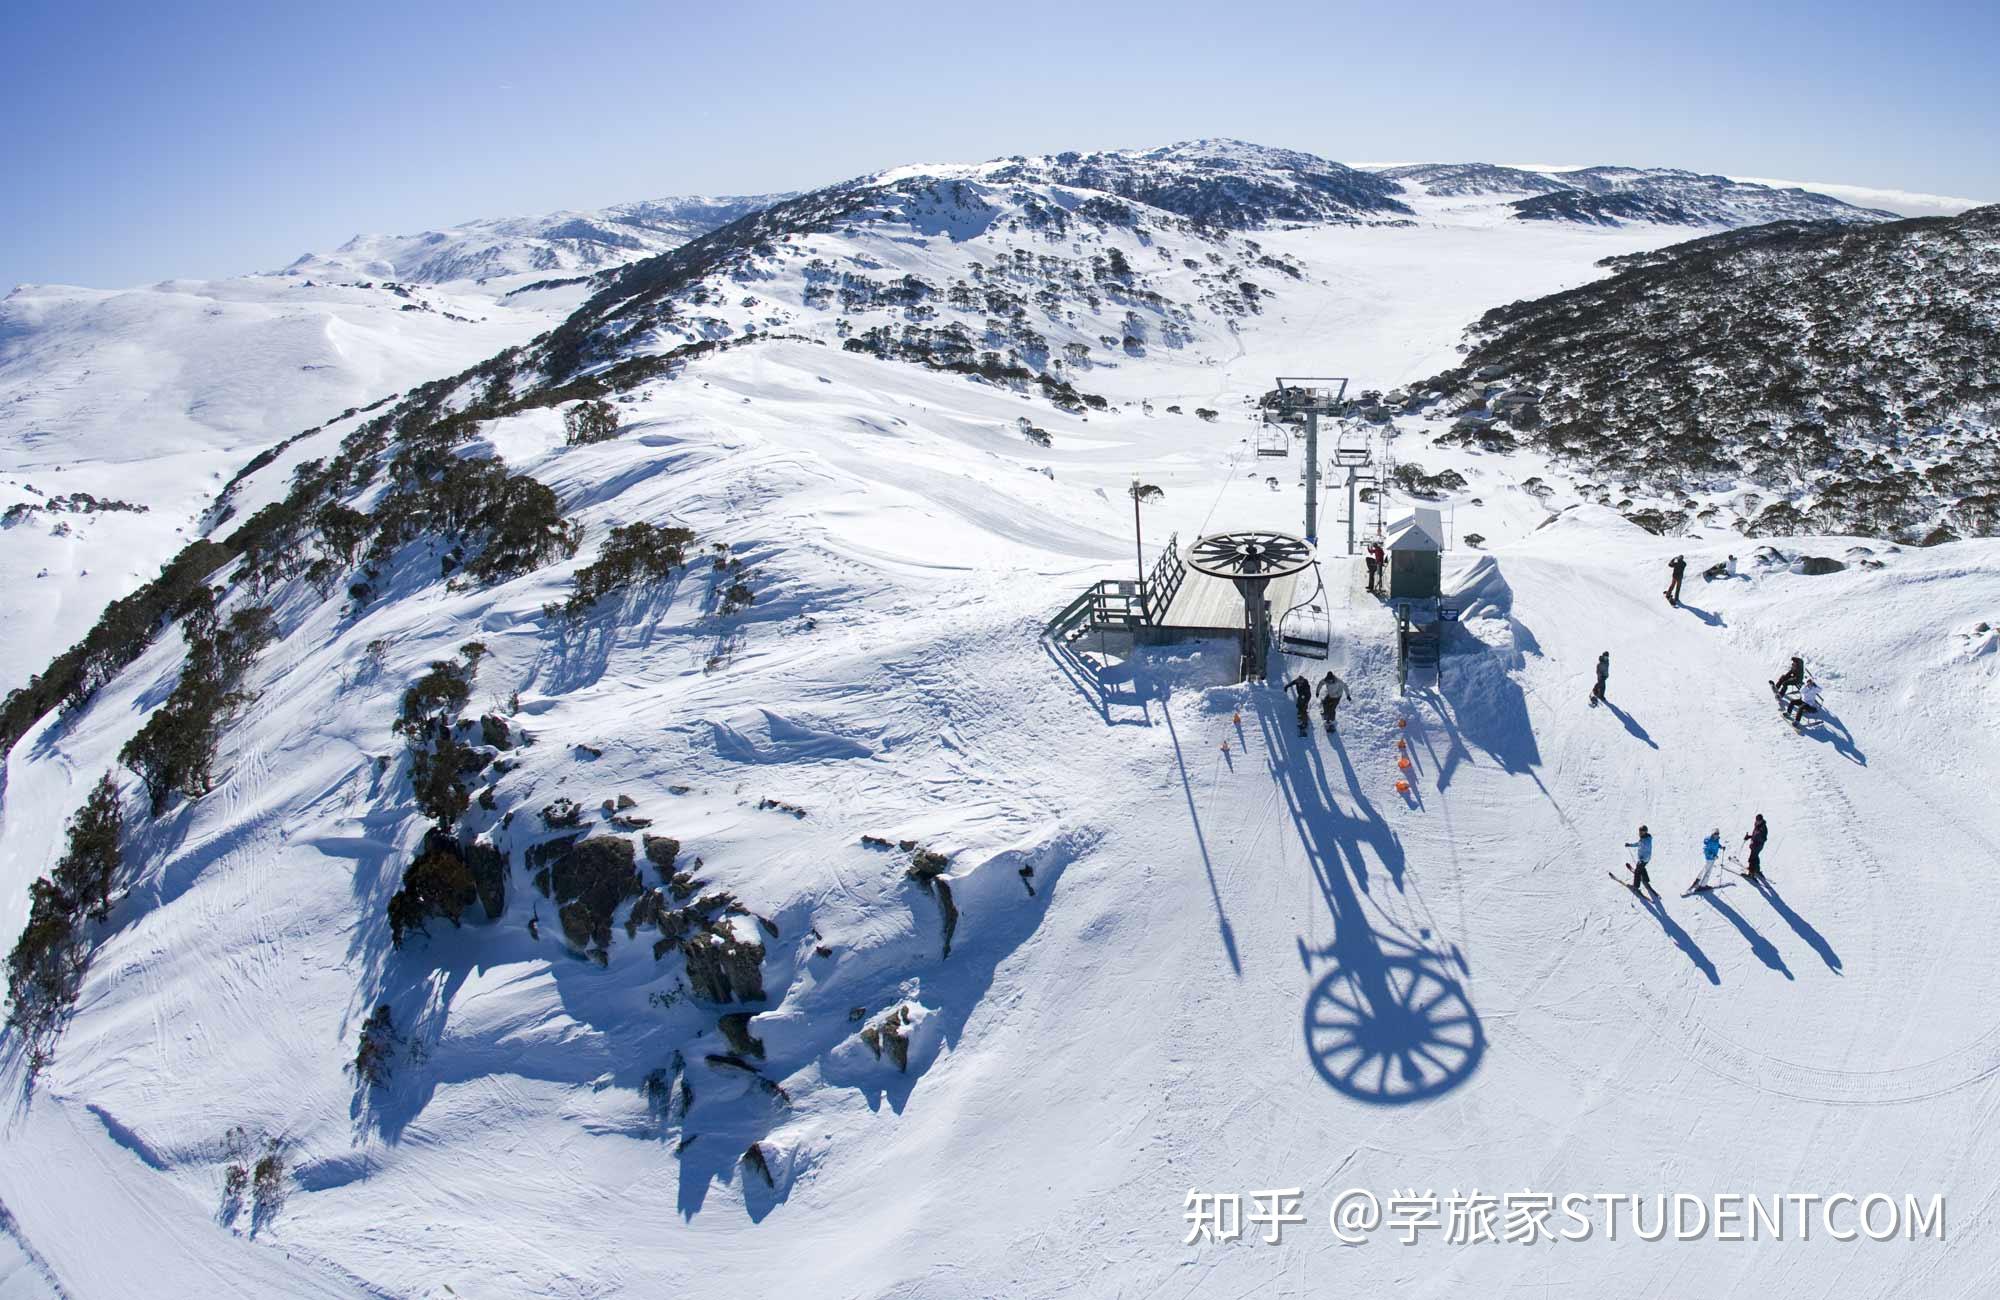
1830,730
1800,926
1201,842
1682,939
1631,724
1765,950
1389,1023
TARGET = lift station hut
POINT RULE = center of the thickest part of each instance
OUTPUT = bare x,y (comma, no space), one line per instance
1415,545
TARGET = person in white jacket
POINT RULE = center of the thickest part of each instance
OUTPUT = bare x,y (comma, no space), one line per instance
1808,701
1644,846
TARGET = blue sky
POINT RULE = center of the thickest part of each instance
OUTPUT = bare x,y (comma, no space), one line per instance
149,140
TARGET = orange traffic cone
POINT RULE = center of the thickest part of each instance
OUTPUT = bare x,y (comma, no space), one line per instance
1403,764
1402,787
1402,722
1401,743
1237,717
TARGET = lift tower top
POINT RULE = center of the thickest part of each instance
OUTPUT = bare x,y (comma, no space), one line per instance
1312,398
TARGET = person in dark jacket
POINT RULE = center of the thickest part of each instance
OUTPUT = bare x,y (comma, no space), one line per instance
1302,691
1676,568
1379,569
1759,833
1791,679
1603,676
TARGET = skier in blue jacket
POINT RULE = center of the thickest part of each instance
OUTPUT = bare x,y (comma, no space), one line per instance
1644,844
1711,856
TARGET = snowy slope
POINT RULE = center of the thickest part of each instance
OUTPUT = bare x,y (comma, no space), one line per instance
554,244
1180,990
157,396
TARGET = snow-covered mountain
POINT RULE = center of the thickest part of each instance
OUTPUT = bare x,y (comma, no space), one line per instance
1615,195
556,244
897,949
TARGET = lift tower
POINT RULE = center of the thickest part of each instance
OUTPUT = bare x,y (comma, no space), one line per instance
1310,398
1250,560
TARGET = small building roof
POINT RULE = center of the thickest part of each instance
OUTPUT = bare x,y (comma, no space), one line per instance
1420,530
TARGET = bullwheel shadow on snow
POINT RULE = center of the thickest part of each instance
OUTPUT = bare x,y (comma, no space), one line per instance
1388,1023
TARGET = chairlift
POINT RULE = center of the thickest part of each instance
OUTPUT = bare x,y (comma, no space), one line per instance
1306,631
1272,440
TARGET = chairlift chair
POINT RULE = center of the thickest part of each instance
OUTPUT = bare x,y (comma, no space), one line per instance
1306,631
1272,440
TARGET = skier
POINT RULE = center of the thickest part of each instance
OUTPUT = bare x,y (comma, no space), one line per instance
1331,691
1302,691
1711,854
1755,839
1603,675
1676,567
1791,678
1644,844
1808,702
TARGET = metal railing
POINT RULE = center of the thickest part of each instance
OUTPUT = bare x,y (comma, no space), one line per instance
1118,604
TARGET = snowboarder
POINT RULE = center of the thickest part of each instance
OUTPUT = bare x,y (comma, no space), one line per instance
1720,569
1808,702
1711,855
1331,691
1603,676
1374,568
1379,569
1759,833
1644,845
1791,679
1676,567
1302,691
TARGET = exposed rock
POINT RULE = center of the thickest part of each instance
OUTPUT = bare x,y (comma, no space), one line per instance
876,842
891,1034
651,909
735,1028
1816,564
590,881
493,732
562,814
722,967
943,889
927,865
626,801
753,1160
489,876
663,851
